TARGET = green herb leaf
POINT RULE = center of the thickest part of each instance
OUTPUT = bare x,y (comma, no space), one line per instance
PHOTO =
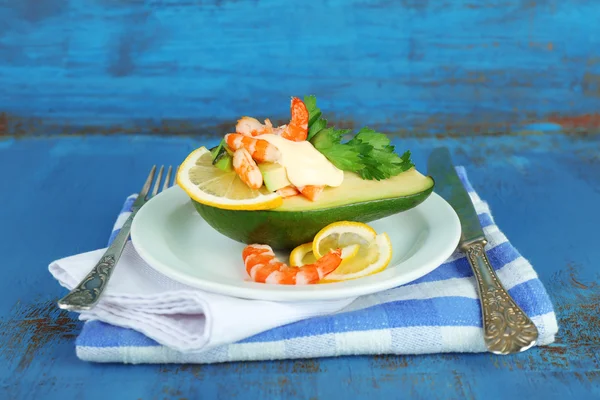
315,123
368,153
328,137
369,136
344,157
310,102
316,127
382,164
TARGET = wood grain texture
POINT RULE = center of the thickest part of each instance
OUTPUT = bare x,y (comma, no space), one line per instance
191,67
416,67
544,191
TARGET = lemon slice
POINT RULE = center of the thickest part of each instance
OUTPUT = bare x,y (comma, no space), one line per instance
302,255
342,234
210,185
378,257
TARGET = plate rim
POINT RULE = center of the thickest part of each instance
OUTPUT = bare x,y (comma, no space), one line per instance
288,293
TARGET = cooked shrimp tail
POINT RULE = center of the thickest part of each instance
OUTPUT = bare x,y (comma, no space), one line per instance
297,129
260,150
246,168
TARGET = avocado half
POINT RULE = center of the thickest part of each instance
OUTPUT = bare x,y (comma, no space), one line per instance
298,220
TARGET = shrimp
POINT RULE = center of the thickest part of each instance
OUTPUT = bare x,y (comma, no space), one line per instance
262,266
311,192
260,150
249,126
297,129
288,191
246,168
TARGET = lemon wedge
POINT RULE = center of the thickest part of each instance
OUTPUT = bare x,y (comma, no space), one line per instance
211,186
377,258
342,234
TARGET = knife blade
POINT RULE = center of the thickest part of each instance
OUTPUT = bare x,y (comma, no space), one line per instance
449,186
506,328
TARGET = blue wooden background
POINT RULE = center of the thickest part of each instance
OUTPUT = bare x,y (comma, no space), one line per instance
92,92
417,67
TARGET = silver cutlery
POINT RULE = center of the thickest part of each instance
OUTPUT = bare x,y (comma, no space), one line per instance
507,329
86,295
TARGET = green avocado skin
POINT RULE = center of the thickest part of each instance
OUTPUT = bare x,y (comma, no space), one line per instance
284,230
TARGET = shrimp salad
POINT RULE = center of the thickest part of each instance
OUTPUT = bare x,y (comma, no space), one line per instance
278,158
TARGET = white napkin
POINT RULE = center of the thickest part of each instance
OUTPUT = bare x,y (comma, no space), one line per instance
176,315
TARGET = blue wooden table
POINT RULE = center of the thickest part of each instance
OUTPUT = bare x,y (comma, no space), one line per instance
94,92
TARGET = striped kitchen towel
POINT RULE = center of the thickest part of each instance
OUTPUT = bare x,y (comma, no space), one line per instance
437,313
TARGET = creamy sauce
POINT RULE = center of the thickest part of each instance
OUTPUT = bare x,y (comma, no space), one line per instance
304,164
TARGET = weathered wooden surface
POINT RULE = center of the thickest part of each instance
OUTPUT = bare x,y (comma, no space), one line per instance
190,66
60,196
463,73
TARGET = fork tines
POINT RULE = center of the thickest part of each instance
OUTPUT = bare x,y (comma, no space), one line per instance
155,189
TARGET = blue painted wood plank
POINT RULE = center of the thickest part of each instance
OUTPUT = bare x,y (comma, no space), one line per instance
59,196
418,67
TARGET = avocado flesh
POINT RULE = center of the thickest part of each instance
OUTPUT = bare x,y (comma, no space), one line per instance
274,176
299,219
354,189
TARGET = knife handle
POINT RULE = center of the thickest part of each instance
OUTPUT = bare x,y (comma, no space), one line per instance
507,329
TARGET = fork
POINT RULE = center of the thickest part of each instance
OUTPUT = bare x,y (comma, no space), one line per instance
85,295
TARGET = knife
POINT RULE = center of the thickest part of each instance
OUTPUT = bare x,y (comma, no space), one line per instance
507,329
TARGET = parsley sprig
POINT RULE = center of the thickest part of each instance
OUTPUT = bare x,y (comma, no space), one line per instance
368,153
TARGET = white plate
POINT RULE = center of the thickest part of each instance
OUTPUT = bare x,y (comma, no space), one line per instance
172,238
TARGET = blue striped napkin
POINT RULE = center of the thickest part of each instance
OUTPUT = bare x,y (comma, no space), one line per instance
438,313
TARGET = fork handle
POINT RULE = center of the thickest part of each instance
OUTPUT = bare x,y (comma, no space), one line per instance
507,329
85,295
